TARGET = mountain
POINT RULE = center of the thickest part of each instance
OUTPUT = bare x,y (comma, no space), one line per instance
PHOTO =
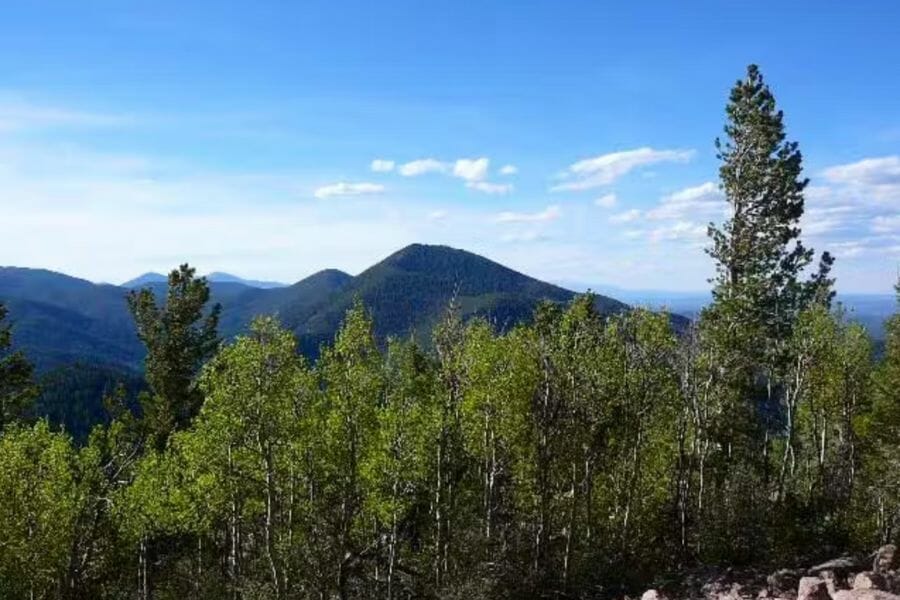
61,320
216,277
145,279
408,292
228,278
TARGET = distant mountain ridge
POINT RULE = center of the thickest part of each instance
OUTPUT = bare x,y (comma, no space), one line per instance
60,320
145,279
216,276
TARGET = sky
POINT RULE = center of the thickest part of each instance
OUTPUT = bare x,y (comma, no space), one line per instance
569,139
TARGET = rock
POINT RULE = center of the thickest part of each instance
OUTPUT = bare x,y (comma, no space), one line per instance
721,589
864,595
653,595
735,592
886,559
840,566
783,581
833,582
868,580
892,581
812,588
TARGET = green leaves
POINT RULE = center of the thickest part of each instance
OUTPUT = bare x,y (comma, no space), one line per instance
39,503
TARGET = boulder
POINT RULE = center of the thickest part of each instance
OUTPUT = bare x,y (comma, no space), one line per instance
783,581
834,582
864,595
812,588
891,581
653,595
867,580
734,592
841,567
886,559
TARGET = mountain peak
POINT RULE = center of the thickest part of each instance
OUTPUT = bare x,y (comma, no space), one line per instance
429,258
146,279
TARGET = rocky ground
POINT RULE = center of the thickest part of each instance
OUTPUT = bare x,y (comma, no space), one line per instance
876,577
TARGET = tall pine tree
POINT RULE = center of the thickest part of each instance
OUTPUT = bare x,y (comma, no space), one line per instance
17,391
179,338
758,252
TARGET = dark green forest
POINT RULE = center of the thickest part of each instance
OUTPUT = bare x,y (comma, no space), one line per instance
581,454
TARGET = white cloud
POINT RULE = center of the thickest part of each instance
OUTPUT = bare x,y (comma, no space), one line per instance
471,169
490,188
869,171
606,201
704,200
819,220
380,165
680,230
509,170
886,224
550,213
342,189
606,168
626,217
848,249
871,181
438,215
422,166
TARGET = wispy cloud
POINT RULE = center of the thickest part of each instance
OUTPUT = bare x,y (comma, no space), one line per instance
530,235
870,171
819,220
886,224
490,188
704,201
680,230
626,216
472,171
550,213
467,169
422,166
342,189
509,170
17,114
380,165
605,169
606,201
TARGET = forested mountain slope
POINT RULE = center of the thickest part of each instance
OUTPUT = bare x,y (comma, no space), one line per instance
60,320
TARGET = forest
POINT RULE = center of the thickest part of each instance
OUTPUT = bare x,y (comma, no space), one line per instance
580,455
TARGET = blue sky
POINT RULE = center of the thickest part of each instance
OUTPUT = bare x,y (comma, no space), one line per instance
572,140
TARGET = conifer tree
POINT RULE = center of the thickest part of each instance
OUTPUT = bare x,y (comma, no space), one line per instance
759,256
179,339
760,291
17,390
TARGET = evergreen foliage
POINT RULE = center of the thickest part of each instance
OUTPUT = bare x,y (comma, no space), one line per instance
17,390
179,338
